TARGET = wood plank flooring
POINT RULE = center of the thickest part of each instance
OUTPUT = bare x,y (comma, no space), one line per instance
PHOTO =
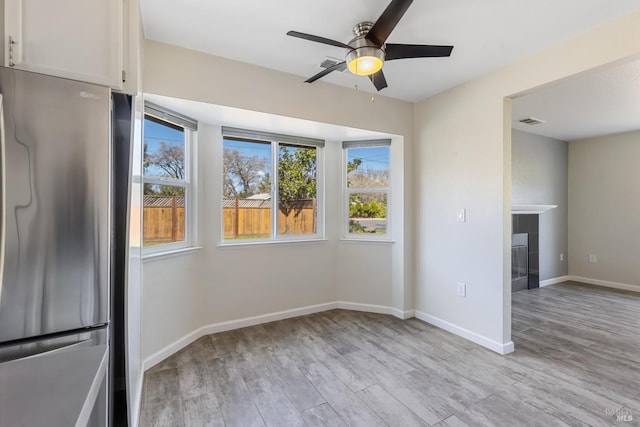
577,363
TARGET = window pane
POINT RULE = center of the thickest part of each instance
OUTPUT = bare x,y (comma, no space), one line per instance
163,149
297,190
368,167
368,213
164,220
246,189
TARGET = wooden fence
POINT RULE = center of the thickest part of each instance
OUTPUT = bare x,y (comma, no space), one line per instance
247,219
164,220
163,224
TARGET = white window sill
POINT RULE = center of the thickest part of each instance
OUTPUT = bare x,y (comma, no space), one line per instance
234,243
170,253
356,240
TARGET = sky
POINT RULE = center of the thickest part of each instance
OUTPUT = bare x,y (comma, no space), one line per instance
372,158
154,133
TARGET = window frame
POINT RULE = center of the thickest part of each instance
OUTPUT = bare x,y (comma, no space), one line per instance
275,141
190,132
347,191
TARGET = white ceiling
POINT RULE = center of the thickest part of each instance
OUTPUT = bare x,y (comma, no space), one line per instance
239,118
486,34
595,103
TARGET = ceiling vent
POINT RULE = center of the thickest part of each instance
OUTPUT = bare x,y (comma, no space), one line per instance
531,121
329,62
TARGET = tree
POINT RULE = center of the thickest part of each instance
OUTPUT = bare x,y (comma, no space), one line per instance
353,165
169,160
296,176
366,178
244,175
367,205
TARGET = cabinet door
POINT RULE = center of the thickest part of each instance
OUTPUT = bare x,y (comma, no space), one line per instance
77,39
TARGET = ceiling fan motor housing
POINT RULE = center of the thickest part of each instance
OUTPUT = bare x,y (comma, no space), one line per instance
365,57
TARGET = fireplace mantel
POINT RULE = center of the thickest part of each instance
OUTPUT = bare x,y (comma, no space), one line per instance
531,209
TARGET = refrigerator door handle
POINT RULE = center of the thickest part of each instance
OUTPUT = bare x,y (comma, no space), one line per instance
3,192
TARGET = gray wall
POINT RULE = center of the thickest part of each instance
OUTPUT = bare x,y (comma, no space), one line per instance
604,209
539,175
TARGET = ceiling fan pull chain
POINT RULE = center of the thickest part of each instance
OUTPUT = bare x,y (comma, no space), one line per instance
373,80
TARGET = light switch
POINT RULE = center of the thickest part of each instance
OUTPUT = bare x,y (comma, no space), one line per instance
461,289
461,215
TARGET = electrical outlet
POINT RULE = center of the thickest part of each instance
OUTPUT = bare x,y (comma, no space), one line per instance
561,257
593,258
461,289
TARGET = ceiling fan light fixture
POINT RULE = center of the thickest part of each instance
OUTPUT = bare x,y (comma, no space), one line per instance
366,60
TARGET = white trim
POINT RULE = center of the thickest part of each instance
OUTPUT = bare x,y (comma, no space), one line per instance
168,254
181,343
554,281
531,209
244,243
171,349
379,309
501,348
137,402
190,186
598,282
404,315
363,240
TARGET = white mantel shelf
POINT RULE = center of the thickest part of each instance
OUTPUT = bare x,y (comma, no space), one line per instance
531,209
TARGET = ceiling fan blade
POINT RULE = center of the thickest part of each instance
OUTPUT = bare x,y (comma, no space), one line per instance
388,21
378,80
318,39
400,51
340,66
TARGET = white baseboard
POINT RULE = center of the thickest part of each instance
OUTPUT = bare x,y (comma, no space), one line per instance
181,343
554,281
380,309
404,315
266,318
172,348
598,282
501,348
214,328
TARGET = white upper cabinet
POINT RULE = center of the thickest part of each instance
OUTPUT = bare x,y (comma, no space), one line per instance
77,39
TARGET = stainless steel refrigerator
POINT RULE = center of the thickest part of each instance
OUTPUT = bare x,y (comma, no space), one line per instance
56,251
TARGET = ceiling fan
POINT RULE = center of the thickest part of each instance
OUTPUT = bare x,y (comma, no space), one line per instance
367,51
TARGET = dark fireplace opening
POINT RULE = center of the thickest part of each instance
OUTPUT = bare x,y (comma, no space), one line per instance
525,273
519,261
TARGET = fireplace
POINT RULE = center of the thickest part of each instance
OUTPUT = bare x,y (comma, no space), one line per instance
519,261
525,261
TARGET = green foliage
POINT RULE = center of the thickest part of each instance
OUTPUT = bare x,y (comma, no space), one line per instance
296,174
351,166
367,210
163,190
355,227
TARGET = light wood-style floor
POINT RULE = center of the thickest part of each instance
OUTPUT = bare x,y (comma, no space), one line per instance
577,363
